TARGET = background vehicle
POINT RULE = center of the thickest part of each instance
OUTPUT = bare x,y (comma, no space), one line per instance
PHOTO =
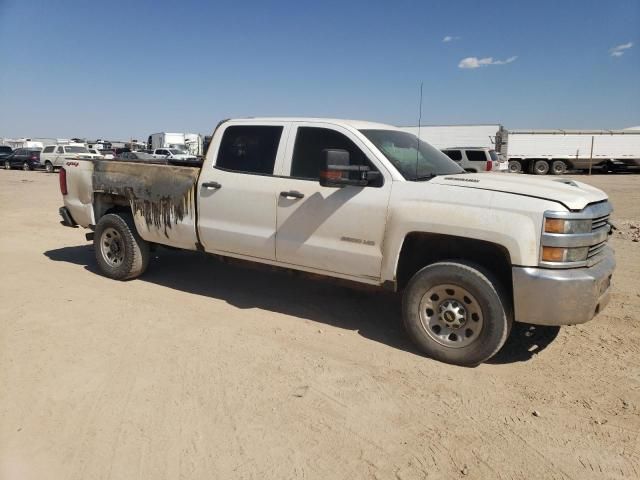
476,159
443,136
175,156
556,151
95,152
5,151
53,156
167,140
140,157
25,158
107,154
369,203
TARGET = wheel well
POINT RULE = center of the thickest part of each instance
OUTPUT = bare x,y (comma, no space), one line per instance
104,204
422,249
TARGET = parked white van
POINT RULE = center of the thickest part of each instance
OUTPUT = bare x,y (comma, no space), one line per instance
53,156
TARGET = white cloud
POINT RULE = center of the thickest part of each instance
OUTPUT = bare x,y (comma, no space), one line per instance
475,62
450,38
618,50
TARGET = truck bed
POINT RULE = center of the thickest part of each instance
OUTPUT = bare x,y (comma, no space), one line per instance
161,195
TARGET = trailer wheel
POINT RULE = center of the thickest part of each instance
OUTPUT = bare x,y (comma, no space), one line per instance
515,166
456,313
558,167
120,252
541,167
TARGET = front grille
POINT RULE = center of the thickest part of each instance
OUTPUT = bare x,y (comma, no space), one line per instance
599,222
596,249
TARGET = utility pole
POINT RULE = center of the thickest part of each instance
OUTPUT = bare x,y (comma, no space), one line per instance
591,155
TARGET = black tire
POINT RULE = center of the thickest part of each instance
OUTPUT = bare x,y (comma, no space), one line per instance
26,167
48,166
489,324
558,167
129,255
515,166
541,167
7,165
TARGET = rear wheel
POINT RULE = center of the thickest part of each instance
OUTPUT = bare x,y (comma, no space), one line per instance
26,167
7,165
515,166
558,167
456,314
541,167
120,252
48,166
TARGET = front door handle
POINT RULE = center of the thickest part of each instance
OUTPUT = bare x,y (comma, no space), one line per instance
212,185
292,194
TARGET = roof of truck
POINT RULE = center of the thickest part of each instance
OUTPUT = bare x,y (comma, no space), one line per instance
357,124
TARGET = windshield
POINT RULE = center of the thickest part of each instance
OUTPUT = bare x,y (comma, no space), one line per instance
413,162
76,150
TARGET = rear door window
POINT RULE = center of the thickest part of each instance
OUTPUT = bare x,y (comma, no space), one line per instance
48,149
453,154
476,155
249,149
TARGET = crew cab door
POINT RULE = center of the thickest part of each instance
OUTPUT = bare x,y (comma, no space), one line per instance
237,195
337,230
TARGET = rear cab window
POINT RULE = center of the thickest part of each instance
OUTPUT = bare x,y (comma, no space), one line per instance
476,155
250,149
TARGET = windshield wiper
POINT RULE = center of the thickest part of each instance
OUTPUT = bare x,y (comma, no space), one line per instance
423,178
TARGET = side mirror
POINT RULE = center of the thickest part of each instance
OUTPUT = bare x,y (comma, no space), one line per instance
337,168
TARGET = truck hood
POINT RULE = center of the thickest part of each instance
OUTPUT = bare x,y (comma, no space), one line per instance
570,193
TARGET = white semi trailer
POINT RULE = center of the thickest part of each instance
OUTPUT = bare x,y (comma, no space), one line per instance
449,136
556,151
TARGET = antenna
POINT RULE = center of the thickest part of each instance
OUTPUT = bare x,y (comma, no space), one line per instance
419,122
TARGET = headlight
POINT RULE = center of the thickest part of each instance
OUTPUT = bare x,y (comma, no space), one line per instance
561,254
560,225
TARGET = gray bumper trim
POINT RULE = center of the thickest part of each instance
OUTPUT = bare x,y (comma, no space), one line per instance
67,219
562,297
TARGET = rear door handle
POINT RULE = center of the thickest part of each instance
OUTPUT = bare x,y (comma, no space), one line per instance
212,185
292,194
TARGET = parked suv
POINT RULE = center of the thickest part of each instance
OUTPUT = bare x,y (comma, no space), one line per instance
476,159
27,158
5,151
54,155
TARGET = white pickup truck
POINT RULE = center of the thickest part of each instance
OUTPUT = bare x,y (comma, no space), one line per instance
369,203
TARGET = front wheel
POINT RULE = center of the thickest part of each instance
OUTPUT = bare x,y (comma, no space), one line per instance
7,165
48,166
456,314
120,252
26,167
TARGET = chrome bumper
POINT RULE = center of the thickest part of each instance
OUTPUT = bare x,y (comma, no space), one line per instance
562,297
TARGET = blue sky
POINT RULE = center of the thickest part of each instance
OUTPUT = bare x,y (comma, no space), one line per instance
121,69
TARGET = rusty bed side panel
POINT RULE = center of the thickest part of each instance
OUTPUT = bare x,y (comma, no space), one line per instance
162,194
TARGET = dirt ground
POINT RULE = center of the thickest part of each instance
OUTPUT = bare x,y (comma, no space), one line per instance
202,370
